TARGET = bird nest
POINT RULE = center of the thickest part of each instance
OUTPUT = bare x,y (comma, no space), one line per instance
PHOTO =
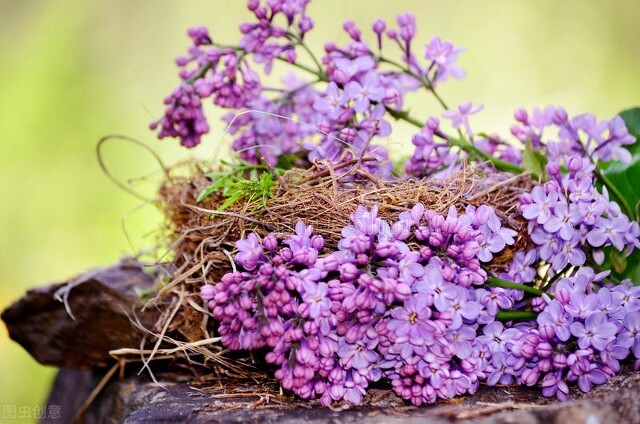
203,237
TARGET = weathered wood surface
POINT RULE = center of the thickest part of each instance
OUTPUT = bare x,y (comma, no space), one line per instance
75,324
137,400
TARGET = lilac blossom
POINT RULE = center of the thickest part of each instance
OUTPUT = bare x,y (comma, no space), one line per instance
596,331
460,118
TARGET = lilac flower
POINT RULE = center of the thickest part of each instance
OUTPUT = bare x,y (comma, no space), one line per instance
555,316
630,335
553,385
541,208
461,308
460,118
593,376
315,295
520,269
444,55
359,355
494,299
595,331
411,322
249,252
365,92
581,305
495,336
332,103
503,372
569,252
608,230
562,222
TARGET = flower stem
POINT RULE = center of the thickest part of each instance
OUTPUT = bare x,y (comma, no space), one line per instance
203,70
499,282
425,81
516,316
320,74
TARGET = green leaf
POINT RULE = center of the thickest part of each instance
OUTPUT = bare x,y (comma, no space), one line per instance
619,261
207,192
631,118
626,176
534,161
622,266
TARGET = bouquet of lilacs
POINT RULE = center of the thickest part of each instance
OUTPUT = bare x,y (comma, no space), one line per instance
413,300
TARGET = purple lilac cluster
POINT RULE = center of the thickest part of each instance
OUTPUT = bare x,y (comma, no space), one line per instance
408,302
561,137
580,336
401,301
359,88
569,219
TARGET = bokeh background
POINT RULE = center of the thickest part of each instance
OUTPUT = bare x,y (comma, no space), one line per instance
72,71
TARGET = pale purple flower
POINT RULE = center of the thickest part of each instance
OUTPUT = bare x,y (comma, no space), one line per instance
503,371
444,55
629,336
461,307
582,305
365,92
553,385
520,269
494,299
541,208
609,230
609,304
596,331
332,103
315,295
411,321
495,336
550,244
359,355
460,118
562,222
588,379
555,316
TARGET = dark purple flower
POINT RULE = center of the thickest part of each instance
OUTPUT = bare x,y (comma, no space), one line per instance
553,385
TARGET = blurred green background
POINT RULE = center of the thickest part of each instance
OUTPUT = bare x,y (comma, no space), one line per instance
72,71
